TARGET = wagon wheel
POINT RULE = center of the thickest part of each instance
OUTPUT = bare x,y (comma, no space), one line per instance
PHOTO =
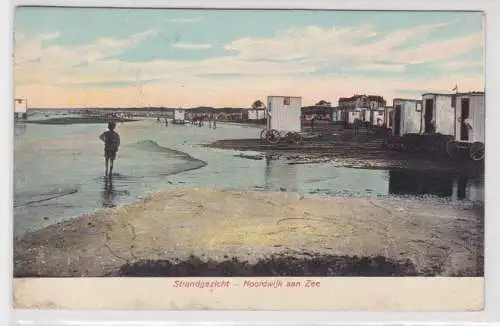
476,151
273,136
294,137
263,134
451,148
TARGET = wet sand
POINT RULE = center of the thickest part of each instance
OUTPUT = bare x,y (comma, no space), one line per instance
201,232
338,145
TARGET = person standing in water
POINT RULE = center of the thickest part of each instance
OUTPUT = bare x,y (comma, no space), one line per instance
111,141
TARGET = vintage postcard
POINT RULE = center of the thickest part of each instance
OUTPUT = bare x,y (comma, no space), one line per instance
248,159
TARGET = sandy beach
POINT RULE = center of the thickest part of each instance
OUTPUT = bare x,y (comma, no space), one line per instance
201,232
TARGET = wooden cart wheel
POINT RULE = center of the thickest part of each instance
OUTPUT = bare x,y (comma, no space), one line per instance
263,134
476,151
451,148
273,136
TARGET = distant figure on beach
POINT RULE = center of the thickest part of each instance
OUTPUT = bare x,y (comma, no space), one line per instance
356,125
158,119
111,144
166,122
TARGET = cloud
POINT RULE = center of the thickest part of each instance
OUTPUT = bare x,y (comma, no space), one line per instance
453,65
191,46
298,61
353,45
380,67
439,50
27,50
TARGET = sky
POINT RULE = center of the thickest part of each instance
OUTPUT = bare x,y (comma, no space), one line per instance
101,57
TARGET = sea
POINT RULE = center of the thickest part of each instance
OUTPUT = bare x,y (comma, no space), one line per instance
59,170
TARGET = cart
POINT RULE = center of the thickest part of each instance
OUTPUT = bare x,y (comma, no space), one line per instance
413,142
283,120
273,136
475,150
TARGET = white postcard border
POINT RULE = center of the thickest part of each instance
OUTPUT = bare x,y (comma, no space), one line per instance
492,161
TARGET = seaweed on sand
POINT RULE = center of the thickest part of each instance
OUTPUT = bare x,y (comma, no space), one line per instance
276,265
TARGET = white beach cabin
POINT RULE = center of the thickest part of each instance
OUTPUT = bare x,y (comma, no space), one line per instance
407,117
470,117
336,114
388,116
353,114
377,117
179,114
20,108
438,114
284,113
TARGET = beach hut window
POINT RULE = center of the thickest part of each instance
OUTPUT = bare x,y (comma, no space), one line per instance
419,107
286,101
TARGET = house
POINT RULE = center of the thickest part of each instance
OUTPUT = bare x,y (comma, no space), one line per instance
256,114
365,103
320,112
362,101
284,113
407,116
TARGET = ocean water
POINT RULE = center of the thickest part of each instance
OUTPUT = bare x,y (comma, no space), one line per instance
59,170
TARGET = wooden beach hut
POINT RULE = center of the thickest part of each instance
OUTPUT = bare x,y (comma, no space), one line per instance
179,116
283,119
388,116
284,113
438,114
377,117
20,109
469,125
407,117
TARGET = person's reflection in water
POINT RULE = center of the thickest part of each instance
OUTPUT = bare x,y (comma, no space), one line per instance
108,194
267,172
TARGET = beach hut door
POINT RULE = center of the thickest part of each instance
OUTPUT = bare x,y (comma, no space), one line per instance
397,120
465,113
428,115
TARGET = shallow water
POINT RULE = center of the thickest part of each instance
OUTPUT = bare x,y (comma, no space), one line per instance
59,170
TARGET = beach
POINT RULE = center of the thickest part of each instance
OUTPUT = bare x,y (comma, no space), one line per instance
252,233
191,201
